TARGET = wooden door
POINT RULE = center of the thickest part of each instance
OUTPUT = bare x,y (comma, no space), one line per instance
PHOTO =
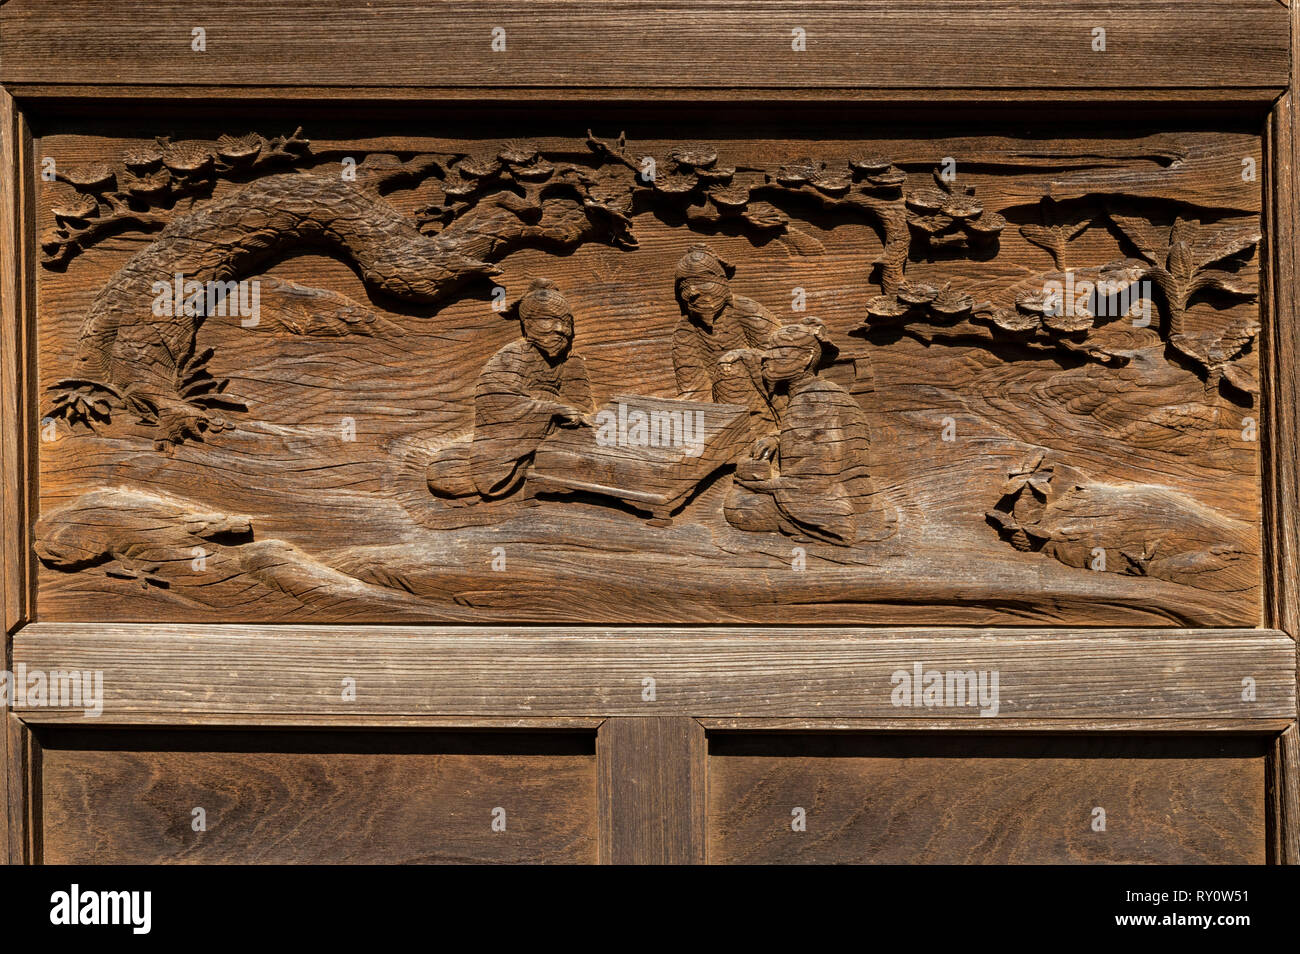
711,432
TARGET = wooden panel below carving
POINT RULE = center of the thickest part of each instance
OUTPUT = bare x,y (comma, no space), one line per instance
191,673
911,799
128,797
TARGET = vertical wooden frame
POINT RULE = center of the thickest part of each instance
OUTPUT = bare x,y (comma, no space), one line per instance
1282,403
16,490
628,814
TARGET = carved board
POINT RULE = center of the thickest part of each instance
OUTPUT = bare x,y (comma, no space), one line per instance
577,376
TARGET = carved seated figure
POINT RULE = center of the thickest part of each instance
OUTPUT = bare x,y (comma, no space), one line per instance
526,390
716,344
812,482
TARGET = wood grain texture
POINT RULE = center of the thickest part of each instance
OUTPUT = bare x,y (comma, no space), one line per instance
22,760
1283,778
198,673
13,542
651,791
890,45
301,529
1282,422
936,726
986,801
17,490
1282,524
316,798
1148,422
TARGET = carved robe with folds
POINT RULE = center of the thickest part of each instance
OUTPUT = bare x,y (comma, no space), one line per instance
515,402
744,324
823,484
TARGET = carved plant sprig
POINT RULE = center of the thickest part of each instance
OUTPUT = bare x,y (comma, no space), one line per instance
1187,259
1182,259
1056,230
950,214
79,401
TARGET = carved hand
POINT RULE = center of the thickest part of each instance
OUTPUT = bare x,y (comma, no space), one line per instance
567,416
765,448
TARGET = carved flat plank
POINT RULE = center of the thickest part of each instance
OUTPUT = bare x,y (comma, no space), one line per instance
203,672
1170,44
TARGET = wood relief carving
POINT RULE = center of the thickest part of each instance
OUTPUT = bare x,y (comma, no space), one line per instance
586,380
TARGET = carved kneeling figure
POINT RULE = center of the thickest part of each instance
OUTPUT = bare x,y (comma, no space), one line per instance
527,389
812,482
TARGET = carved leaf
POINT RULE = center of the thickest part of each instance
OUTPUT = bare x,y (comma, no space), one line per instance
1229,282
1242,377
1214,247
1150,240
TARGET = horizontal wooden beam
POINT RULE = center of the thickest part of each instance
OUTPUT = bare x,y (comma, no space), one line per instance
868,45
207,674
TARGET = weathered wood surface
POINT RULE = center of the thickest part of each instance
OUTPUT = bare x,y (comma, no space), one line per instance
652,776
1283,778
1282,522
128,797
885,44
201,672
926,800
17,496
1152,421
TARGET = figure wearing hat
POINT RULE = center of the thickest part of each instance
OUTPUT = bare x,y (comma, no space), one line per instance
813,481
526,390
716,344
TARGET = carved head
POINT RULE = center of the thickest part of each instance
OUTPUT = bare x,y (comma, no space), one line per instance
797,350
702,289
546,318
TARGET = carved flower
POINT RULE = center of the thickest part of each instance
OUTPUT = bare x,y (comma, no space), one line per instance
961,207
716,174
764,215
917,293
456,186
930,224
1037,303
77,209
729,198
951,304
479,167
142,158
694,156
675,183
885,308
93,178
799,172
149,185
987,225
832,185
889,179
1068,320
870,165
239,148
186,158
534,171
518,152
926,200
1059,315
1013,320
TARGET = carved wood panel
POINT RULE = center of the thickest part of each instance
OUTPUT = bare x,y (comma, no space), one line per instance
617,424
586,377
